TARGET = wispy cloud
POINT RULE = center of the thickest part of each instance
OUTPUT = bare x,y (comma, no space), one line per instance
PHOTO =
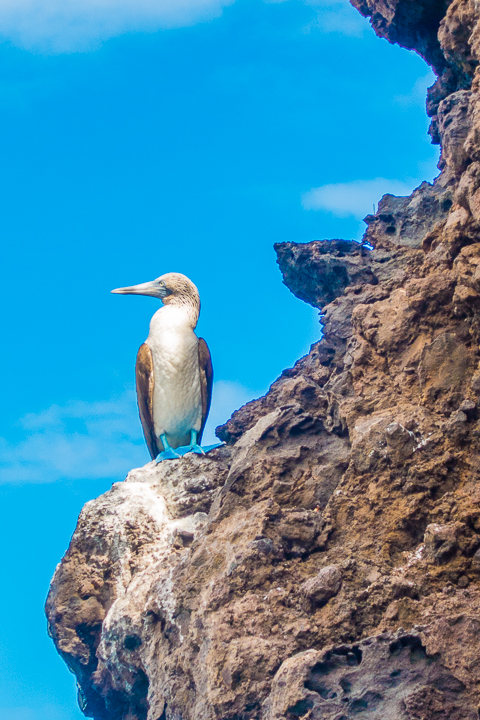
337,16
82,440
60,26
78,25
355,198
77,440
227,397
416,97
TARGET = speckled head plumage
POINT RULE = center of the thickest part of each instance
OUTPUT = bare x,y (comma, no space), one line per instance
177,289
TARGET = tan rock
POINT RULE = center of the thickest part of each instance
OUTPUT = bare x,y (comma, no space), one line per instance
325,562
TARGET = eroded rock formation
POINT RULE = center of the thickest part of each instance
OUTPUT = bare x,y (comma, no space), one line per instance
326,561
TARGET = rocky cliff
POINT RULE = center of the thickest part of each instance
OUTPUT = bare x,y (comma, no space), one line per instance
326,561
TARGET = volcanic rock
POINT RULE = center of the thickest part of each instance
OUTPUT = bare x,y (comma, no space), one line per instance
326,561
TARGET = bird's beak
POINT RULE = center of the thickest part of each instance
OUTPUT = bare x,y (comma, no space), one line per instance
148,288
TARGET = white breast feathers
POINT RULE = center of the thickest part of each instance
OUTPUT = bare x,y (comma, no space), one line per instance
177,398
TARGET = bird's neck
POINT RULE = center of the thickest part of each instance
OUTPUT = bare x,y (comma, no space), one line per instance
177,316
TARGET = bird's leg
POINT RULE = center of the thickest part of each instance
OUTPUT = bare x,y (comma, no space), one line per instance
195,447
167,454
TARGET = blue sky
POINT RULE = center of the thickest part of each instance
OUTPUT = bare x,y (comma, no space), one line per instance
144,137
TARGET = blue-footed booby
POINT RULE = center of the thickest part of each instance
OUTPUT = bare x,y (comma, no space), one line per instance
174,371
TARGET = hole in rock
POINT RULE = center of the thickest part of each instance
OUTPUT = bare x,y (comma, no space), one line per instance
325,692
132,642
315,681
153,618
395,678
345,685
358,706
352,654
90,636
369,701
318,670
300,708
138,697
417,651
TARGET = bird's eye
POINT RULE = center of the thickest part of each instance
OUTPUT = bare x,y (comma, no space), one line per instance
161,283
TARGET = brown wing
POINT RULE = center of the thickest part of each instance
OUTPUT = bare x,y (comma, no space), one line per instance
145,384
206,381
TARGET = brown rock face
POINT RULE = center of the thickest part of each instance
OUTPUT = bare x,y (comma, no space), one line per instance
326,561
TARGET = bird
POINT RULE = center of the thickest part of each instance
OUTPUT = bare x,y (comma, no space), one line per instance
174,373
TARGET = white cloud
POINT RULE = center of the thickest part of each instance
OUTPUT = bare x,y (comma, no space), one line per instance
59,26
77,440
355,198
78,25
82,440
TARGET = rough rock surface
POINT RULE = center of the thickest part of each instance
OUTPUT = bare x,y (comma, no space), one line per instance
326,561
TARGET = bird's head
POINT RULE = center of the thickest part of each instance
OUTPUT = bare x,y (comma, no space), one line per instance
171,288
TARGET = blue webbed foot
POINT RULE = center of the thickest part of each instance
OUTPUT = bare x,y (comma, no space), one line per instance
207,448
184,449
195,448
167,455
